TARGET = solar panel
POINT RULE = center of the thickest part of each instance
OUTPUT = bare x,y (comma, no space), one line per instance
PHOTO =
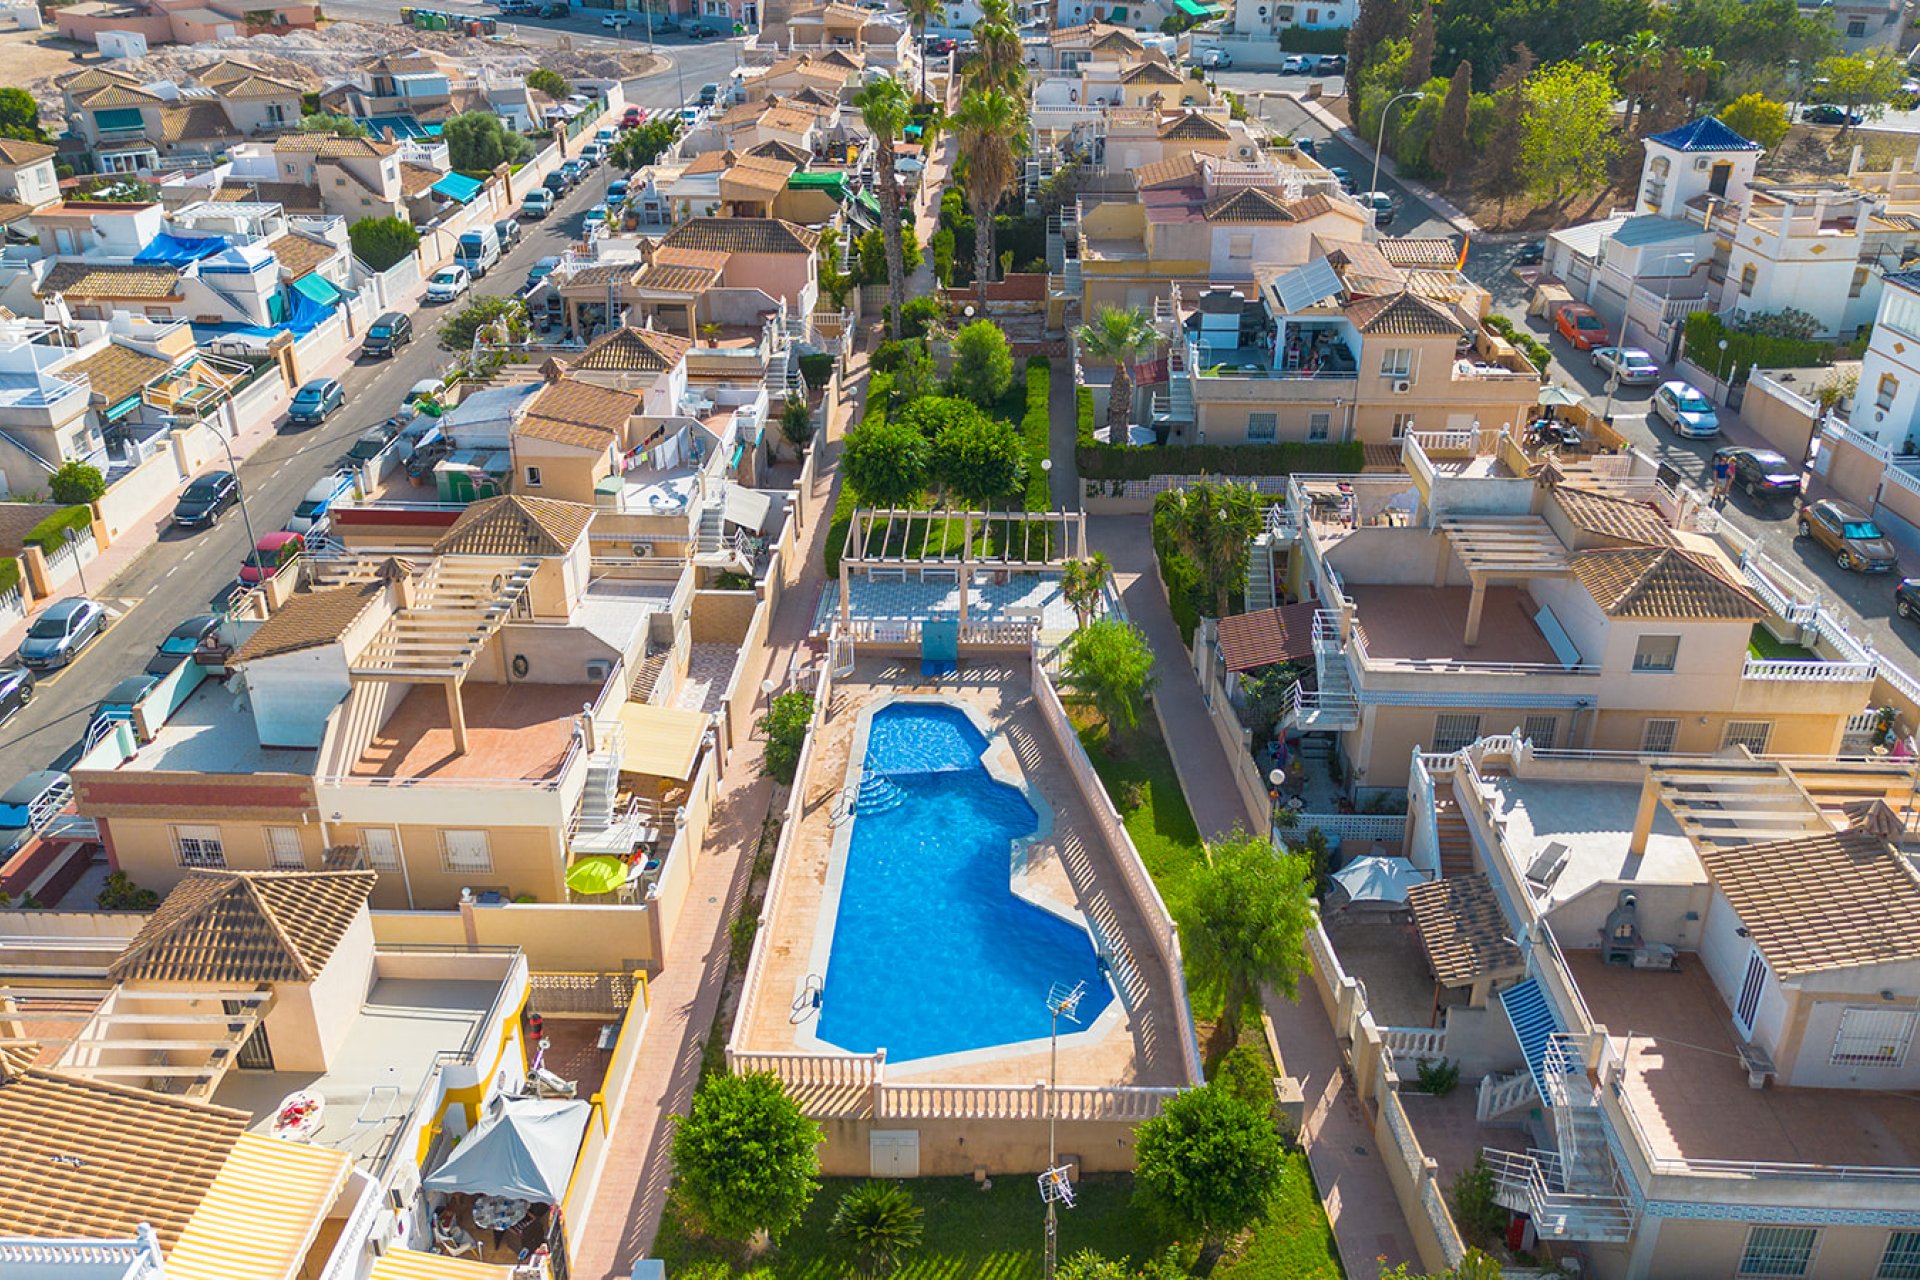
1304,286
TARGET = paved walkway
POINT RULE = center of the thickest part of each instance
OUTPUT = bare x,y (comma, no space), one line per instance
1337,1133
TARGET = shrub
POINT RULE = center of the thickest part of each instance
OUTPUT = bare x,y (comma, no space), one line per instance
886,463
382,242
1037,430
982,363
1110,664
919,315
1746,350
745,1159
51,533
76,482
1438,1076
120,893
1083,418
9,573
879,390
980,461
1243,1073
1313,39
549,82
479,142
1121,462
1208,1166
1478,1214
817,369
877,1222
785,725
740,933
796,422
888,356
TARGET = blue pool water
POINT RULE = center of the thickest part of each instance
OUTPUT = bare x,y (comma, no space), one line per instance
932,952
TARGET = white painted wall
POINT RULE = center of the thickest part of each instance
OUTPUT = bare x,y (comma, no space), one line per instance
293,694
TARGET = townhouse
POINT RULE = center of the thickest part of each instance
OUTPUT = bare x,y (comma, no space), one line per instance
883,39
131,127
719,279
407,92
27,179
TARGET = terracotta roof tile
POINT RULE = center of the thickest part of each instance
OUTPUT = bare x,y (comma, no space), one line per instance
1266,636
118,94
581,414
758,180
200,118
775,149
1192,125
1614,517
329,144
307,620
258,86
245,927
631,350
116,372
1831,901
300,255
1665,583
1150,72
94,78
15,151
788,118
87,280
710,161
1419,251
601,274
743,235
1249,204
1181,170
417,179
669,278
226,71
294,197
1463,930
1402,315
11,211
513,525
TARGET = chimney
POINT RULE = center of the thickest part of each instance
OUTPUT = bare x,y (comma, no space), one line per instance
397,572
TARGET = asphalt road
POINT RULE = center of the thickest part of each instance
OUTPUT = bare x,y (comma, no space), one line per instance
184,571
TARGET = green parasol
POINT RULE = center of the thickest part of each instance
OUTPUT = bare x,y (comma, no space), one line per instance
597,875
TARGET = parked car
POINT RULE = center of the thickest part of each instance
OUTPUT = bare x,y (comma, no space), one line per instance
119,701
274,552
574,170
1906,603
1850,533
1827,113
1761,472
542,268
1382,206
202,501
448,283
617,193
617,20
1684,409
508,230
61,631
537,205
424,389
30,805
1634,365
633,118
1532,254
594,154
1581,326
709,94
182,642
1295,64
1341,176
1306,146
388,334
16,691
369,445
1332,65
598,213
1216,60
315,402
556,183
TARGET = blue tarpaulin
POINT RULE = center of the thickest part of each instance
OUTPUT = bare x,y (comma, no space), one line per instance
317,288
458,186
167,247
402,126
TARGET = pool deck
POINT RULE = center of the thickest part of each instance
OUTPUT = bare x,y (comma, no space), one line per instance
1130,1046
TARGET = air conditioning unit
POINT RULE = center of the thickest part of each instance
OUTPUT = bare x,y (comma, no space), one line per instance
642,550
1403,386
598,670
1701,163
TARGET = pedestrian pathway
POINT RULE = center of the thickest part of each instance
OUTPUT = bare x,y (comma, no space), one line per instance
1336,1131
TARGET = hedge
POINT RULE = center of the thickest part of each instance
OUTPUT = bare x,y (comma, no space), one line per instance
51,533
1037,428
1124,462
817,369
1745,351
1083,421
879,391
1313,39
9,574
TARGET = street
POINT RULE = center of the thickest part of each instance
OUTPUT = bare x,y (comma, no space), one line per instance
181,573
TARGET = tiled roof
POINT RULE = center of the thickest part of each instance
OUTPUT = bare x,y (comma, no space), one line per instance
775,149
1665,583
226,71
118,95
711,161
299,255
679,256
294,197
200,118
631,350
580,414
745,113
330,144
762,177
743,235
669,278
1420,251
82,1159
1704,134
1250,204
1150,73
86,280
786,117
116,372
1191,125
1249,641
11,211
307,620
94,78
845,59
1614,517
15,151
512,525
1181,170
258,86
1402,315
245,927
417,179
1830,901
602,274
1465,934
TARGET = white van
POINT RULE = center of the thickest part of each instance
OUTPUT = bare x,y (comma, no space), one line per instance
310,518
477,250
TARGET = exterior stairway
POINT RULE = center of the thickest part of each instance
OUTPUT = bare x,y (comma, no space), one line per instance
647,678
1260,573
1450,826
1332,704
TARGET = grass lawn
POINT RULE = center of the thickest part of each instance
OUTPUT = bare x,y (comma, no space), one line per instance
1764,646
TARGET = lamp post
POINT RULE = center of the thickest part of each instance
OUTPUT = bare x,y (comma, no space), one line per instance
1381,143
73,540
1720,370
239,489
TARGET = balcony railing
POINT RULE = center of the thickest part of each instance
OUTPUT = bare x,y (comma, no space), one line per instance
1814,671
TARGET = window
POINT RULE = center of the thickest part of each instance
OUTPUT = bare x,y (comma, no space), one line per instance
1656,653
1318,425
198,847
1539,730
276,114
1856,27
1240,246
1859,282
1870,1037
1658,737
283,849
1753,985
1452,732
1748,275
1901,1261
1884,393
1778,1251
533,477
1751,734
465,851
382,846
1396,362
1402,423
1261,427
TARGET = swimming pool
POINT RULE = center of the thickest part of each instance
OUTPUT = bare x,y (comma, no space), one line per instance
932,951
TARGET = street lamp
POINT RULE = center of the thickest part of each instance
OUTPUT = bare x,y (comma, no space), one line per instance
73,540
1720,370
1381,143
238,488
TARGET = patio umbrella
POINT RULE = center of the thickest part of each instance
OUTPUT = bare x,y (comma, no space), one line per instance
1375,879
1557,394
597,875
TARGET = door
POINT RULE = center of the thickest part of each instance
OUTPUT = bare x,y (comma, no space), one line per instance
1747,1007
256,1054
895,1153
1717,183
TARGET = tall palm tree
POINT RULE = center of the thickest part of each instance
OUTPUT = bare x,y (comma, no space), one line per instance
1000,60
1083,583
992,127
1213,524
1123,336
884,106
920,12
1636,65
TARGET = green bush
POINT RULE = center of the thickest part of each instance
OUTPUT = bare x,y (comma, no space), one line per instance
879,390
76,482
1036,429
918,315
51,533
1479,1215
1745,351
817,369
1313,39
1083,418
1531,347
9,574
785,726
1122,462
120,893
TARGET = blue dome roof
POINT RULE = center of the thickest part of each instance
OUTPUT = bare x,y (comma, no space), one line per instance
1705,134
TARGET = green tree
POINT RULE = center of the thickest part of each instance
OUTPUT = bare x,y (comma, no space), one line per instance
327,122
1266,693
871,265
1477,1265
480,142
879,1223
1245,1075
1083,584
919,13
982,363
999,58
1208,1166
1862,83
796,422
1246,924
456,334
639,147
931,415
549,82
916,380
20,116
980,460
1088,1265
1213,524
885,108
1757,118
834,281
886,462
1110,664
992,128
1567,139
1120,336
1419,68
1501,176
943,256
1450,147
76,482
745,1159
785,727
1376,22
381,242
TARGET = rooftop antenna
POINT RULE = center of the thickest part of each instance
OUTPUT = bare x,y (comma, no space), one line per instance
1055,1188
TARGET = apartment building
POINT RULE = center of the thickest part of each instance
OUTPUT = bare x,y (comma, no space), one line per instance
1477,594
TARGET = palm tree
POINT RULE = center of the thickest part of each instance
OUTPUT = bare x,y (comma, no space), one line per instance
1083,583
884,106
1213,524
1000,60
1121,336
992,127
1636,64
879,1222
919,12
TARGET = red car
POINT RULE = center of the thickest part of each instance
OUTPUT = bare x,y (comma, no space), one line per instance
1581,325
633,119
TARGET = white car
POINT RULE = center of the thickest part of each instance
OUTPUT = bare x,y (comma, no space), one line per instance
1296,64
616,21
1635,366
1689,413
1216,60
448,283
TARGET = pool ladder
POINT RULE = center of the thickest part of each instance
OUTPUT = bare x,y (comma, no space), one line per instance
874,793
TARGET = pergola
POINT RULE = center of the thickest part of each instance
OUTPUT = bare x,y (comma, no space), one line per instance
181,1042
1496,547
893,538
1723,804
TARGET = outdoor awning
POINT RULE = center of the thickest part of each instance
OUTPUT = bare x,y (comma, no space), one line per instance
1195,10
457,186
748,508
317,288
526,1149
118,118
1249,641
405,1264
262,1213
662,742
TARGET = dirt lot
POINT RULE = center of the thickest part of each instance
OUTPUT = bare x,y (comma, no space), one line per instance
1818,151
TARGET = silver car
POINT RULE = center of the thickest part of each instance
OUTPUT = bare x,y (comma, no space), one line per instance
1634,366
59,634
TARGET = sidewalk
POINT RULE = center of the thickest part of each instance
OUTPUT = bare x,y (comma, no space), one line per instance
1442,206
1349,1172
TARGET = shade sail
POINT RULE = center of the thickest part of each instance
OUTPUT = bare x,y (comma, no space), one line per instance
406,1264
661,741
525,1150
262,1212
1378,879
596,875
457,186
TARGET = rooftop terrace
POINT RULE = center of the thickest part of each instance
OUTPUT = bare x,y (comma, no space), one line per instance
1592,821
213,732
1428,624
520,732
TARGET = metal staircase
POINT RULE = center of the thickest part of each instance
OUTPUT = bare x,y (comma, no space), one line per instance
1260,573
1175,407
1332,704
